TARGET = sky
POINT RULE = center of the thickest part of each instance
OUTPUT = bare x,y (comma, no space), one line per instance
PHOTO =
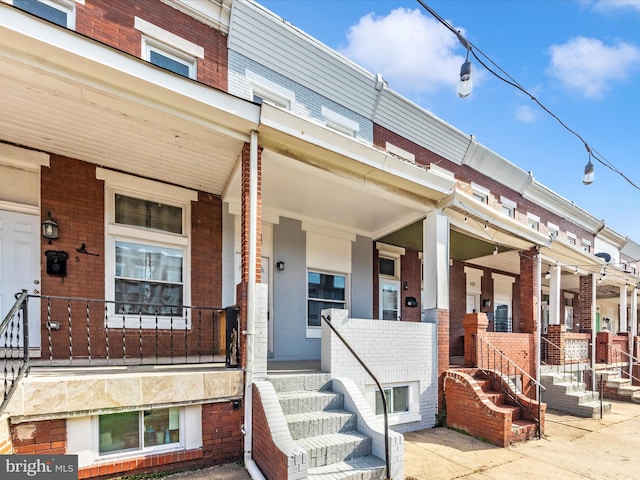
579,58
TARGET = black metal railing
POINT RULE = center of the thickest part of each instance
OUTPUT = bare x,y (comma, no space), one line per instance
506,373
14,344
578,374
90,332
624,362
327,320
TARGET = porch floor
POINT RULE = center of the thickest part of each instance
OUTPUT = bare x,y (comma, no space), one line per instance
293,366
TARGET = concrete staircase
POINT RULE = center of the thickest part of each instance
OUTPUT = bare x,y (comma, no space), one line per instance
617,387
565,393
320,425
521,429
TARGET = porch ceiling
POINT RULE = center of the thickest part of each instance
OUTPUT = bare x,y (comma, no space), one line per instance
96,104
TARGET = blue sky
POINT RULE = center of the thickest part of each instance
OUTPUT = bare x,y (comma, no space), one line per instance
579,58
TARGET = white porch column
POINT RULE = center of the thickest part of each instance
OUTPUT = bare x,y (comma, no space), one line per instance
623,308
554,296
435,247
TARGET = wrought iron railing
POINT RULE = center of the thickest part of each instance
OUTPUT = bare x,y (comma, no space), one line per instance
327,320
579,374
89,332
14,344
506,373
624,362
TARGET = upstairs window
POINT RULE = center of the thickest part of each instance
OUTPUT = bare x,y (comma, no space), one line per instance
267,91
572,238
508,207
169,51
60,12
586,245
554,230
480,193
340,123
533,221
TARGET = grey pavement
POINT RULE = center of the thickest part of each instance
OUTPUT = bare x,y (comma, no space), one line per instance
572,448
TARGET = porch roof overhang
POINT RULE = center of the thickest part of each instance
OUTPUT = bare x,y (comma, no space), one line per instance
69,95
315,174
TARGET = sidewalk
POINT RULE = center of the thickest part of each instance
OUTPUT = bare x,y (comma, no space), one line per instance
573,448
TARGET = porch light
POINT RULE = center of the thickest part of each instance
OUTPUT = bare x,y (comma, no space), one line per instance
588,176
50,228
547,275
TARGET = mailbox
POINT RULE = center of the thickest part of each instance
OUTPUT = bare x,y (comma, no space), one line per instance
56,262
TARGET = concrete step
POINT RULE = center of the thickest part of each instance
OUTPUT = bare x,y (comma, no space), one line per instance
338,447
300,383
628,390
362,468
310,401
310,424
591,409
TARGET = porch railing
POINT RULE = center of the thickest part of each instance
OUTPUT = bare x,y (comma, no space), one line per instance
14,343
579,374
492,361
327,320
90,332
624,361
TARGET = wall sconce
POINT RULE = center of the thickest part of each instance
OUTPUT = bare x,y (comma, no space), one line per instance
50,228
405,285
486,303
236,404
280,265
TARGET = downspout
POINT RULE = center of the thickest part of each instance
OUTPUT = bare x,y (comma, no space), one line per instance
538,320
249,464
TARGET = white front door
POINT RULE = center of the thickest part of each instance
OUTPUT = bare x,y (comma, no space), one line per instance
20,265
389,299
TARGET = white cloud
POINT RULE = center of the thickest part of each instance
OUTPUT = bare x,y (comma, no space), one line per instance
612,5
415,54
526,114
588,66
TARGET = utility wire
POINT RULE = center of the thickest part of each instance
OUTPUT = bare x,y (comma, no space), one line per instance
508,79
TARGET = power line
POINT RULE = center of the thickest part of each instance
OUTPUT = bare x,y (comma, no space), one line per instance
508,79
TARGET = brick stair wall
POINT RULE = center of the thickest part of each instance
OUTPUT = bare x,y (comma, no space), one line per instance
473,406
616,387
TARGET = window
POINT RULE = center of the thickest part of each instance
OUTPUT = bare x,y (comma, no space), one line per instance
264,90
586,245
167,50
533,221
397,400
140,430
387,266
572,238
147,243
480,193
554,230
60,12
508,207
340,123
326,290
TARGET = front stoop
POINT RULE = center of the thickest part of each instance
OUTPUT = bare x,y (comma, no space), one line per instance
475,406
320,425
565,394
618,388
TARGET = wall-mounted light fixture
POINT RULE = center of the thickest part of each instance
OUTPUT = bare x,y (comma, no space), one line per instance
547,275
280,265
50,228
405,285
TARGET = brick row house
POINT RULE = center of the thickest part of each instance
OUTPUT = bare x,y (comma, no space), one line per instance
188,188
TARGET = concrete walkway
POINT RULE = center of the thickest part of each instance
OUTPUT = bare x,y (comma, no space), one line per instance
573,448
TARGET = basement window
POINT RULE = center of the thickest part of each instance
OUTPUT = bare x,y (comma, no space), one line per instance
60,12
397,400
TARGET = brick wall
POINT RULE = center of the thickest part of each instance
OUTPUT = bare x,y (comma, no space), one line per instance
464,175
6,447
45,437
222,437
270,459
112,22
529,290
585,301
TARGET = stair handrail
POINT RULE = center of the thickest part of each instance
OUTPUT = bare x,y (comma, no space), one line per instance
23,363
518,369
327,320
580,385
631,360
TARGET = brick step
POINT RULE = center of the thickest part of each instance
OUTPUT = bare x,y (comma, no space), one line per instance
523,430
516,411
496,397
338,447
483,383
362,468
310,401
310,424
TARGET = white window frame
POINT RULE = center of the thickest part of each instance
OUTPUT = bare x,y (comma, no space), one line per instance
572,238
554,230
533,221
174,47
400,152
508,207
66,6
586,245
398,418
269,91
340,123
313,331
146,190
179,445
480,193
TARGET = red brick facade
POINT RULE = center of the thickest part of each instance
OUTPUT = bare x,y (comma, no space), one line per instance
269,458
112,23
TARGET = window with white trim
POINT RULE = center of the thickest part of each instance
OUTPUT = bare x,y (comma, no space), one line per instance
586,245
340,123
167,50
480,193
533,221
147,245
397,398
554,230
143,430
508,207
572,238
264,90
324,290
60,12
